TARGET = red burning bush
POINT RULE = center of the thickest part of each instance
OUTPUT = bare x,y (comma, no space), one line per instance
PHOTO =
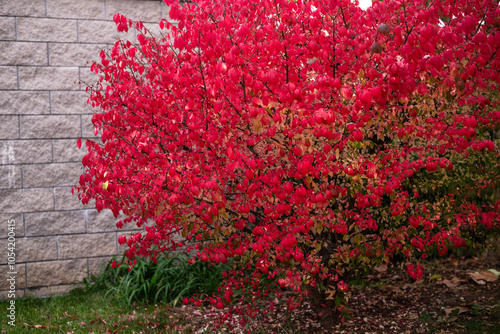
307,141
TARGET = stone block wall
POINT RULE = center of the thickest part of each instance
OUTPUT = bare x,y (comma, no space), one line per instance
46,49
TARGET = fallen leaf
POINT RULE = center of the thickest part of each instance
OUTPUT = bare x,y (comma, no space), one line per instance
347,310
453,283
449,310
451,313
392,288
496,272
420,281
69,316
33,326
446,319
483,277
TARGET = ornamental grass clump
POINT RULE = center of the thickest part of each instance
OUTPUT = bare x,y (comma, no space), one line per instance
167,280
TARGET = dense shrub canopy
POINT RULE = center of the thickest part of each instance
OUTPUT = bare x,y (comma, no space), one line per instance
306,140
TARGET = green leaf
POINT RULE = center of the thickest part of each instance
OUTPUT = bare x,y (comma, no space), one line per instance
496,272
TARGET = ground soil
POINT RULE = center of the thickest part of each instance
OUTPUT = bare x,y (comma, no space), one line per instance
456,295
449,299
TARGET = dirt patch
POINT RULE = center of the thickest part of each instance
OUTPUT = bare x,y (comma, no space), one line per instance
456,295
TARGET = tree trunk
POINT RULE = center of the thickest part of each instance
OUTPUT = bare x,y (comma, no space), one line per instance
324,308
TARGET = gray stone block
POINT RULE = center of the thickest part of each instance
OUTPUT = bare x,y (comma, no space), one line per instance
20,276
145,11
154,28
32,249
60,126
65,150
87,127
165,10
55,223
26,200
46,30
25,151
7,28
88,9
23,53
88,78
98,264
51,175
49,78
9,127
8,77
16,219
66,201
90,245
23,103
10,177
71,54
56,272
37,249
90,31
66,102
22,8
104,221
100,221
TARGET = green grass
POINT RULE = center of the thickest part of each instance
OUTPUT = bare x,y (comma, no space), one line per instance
87,312
95,312
141,300
108,302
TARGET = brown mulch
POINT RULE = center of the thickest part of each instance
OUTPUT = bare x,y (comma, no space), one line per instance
456,295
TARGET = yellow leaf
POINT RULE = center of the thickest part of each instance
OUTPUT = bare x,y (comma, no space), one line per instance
223,213
317,246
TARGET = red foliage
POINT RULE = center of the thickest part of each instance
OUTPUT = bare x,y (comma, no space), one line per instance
306,140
